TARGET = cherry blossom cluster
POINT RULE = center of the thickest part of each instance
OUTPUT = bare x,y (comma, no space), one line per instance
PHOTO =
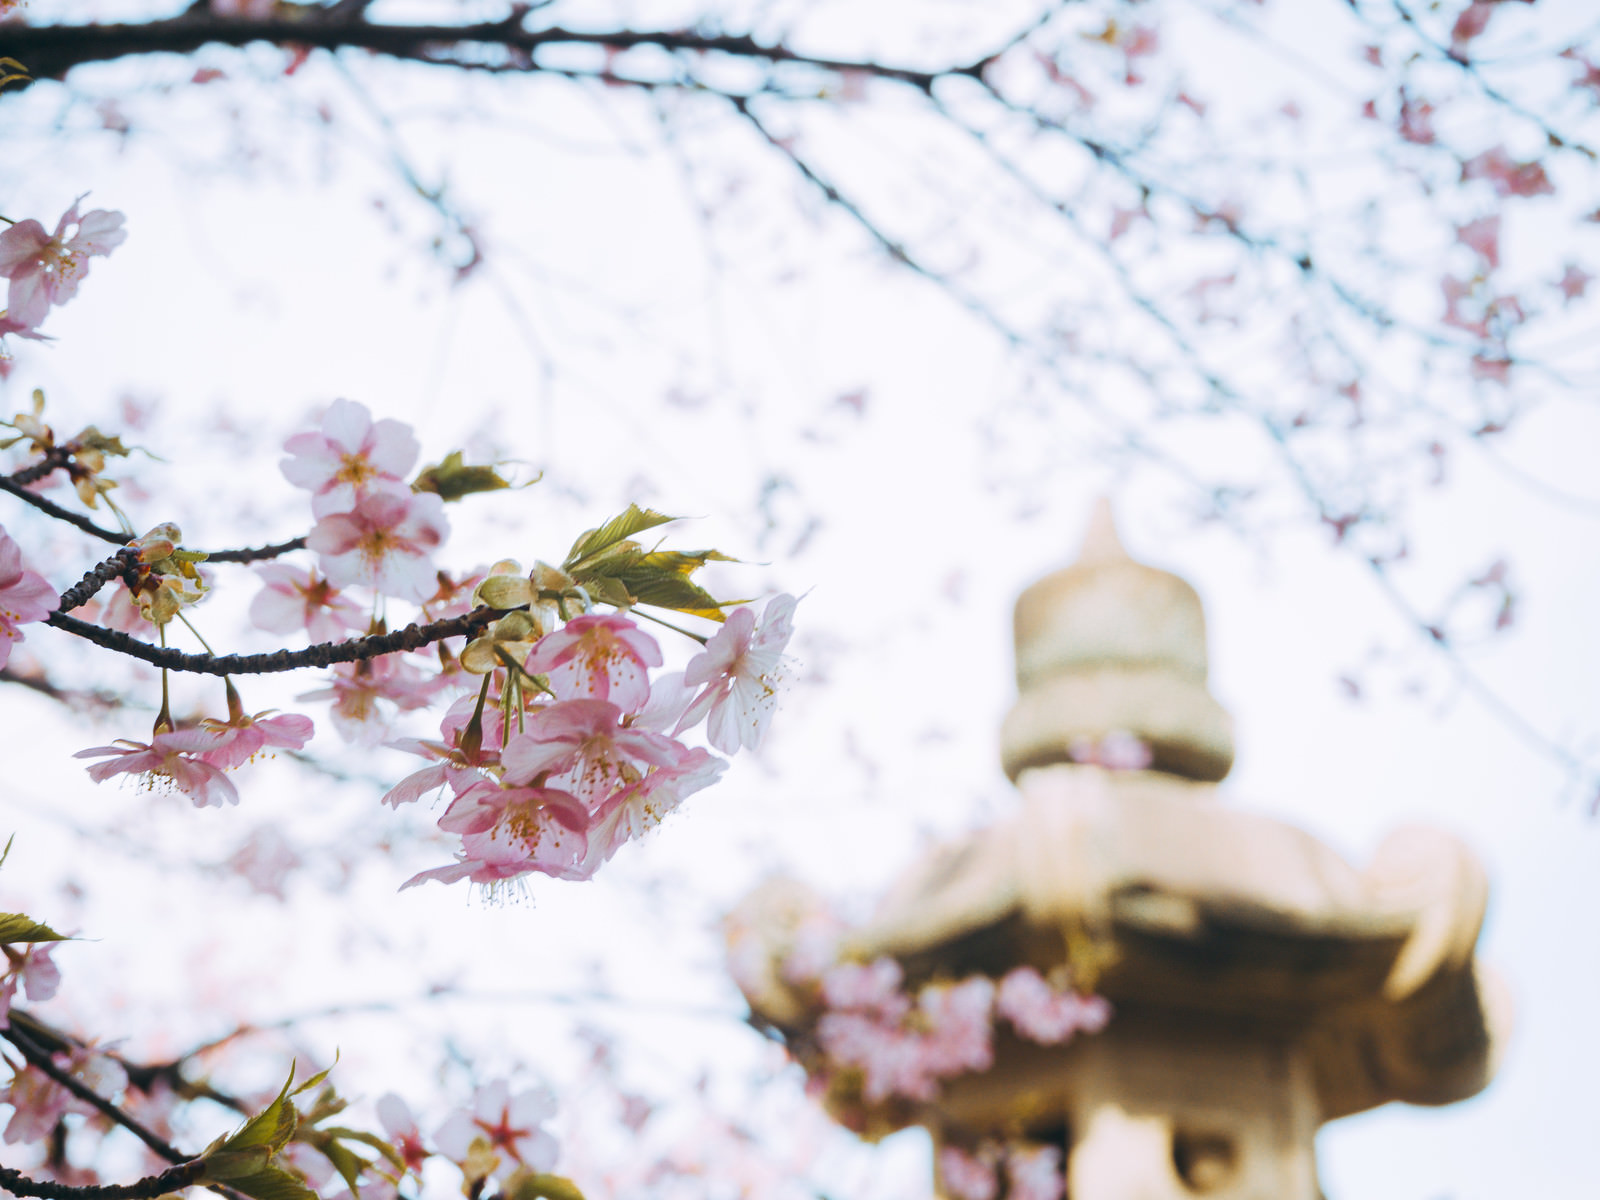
498,1136
574,743
868,1040
1031,1172
875,1035
44,269
555,779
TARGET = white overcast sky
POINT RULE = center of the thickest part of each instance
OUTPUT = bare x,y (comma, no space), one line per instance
259,281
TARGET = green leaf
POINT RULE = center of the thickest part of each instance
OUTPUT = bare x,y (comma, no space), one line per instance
346,1161
453,479
14,927
530,1186
610,591
635,520
381,1145
669,591
272,1183
273,1127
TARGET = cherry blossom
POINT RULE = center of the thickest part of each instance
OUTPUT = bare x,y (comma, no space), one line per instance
1116,750
39,1102
362,692
1034,1173
580,746
265,861
1045,1014
1574,282
385,542
964,1176
509,1125
31,967
295,599
352,457
867,987
452,763
171,759
738,673
25,595
1482,236
599,657
400,1127
1507,176
244,737
959,1033
45,269
639,807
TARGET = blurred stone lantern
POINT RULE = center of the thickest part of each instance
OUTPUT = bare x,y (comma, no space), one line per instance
1258,985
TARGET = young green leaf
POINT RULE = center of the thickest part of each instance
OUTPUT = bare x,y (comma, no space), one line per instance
635,520
14,927
453,479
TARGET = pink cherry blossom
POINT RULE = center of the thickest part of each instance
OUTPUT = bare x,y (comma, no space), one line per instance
39,1102
400,1127
637,808
958,1025
31,967
1045,1014
1034,1173
243,737
25,595
385,543
1507,176
45,269
669,699
452,764
867,987
738,673
1482,236
295,599
171,760
1574,283
598,657
580,746
509,1124
265,861
964,1176
352,457
484,860
363,692
1116,750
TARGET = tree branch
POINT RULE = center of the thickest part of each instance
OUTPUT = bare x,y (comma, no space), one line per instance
323,654
179,1177
50,51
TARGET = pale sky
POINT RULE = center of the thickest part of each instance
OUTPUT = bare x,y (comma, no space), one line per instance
259,281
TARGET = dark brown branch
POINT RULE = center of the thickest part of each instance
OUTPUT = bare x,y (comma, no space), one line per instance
38,1042
16,485
323,654
259,554
50,508
179,1177
50,51
80,593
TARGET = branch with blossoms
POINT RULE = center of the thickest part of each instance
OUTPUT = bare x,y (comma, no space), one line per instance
570,747
561,739
1181,253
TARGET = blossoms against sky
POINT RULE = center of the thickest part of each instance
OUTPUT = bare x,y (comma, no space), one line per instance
564,754
738,674
350,457
45,269
25,595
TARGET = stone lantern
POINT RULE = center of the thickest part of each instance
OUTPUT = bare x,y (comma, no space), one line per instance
1259,985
